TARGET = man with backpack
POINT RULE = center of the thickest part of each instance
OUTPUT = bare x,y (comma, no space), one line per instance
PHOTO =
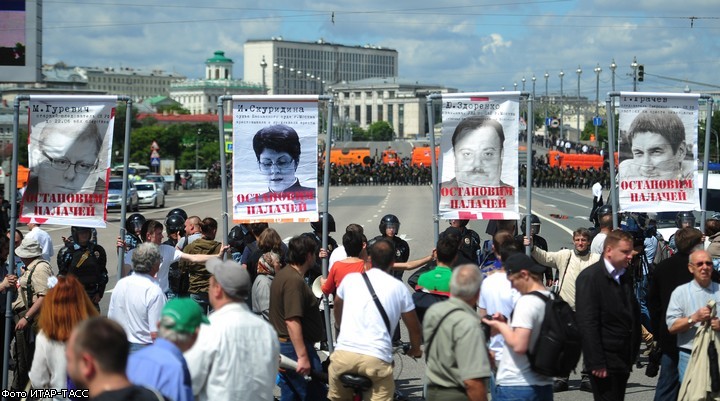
515,378
609,318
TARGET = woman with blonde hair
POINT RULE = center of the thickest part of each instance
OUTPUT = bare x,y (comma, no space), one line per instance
66,304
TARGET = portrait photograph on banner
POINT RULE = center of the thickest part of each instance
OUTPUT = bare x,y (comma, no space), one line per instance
275,159
479,156
658,151
69,145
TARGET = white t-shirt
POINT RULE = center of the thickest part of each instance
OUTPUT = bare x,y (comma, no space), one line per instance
514,369
597,190
170,255
362,329
43,238
136,303
497,296
597,245
336,255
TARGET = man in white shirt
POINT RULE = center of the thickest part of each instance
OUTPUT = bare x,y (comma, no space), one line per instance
364,345
237,355
43,238
137,300
606,225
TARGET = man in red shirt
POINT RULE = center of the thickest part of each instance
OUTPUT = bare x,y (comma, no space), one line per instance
354,243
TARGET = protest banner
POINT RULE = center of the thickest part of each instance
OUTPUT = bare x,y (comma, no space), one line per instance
479,156
275,158
69,145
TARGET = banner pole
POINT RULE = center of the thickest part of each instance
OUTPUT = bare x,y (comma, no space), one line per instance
433,166
223,169
126,166
325,221
706,160
529,173
611,158
9,322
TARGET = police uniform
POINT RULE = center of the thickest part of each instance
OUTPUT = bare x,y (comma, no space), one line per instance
402,252
88,264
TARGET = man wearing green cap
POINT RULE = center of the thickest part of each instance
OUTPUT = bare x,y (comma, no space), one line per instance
162,365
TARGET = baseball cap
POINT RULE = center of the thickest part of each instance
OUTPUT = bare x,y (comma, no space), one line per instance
520,261
231,276
186,313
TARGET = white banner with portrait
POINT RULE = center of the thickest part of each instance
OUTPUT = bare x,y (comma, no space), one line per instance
69,146
658,152
275,158
479,156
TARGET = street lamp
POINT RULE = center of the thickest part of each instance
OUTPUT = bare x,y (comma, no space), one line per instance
515,86
634,66
523,82
197,154
597,98
613,66
263,65
579,72
562,106
546,105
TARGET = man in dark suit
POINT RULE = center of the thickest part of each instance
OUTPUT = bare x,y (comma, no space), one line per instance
609,318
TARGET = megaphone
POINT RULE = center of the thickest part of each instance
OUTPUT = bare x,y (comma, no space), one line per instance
317,287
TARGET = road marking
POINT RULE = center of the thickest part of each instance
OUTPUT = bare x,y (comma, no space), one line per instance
559,200
549,220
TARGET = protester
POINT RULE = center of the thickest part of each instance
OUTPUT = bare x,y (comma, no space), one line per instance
43,238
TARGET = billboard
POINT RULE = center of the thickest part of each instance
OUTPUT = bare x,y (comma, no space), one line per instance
21,40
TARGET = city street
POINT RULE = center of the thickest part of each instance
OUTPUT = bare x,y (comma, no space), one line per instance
413,206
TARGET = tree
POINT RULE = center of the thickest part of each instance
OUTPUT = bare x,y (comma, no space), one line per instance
173,108
359,134
380,131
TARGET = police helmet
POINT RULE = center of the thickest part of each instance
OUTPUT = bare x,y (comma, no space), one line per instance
134,223
534,225
389,219
317,225
74,230
604,210
461,222
177,212
684,217
175,223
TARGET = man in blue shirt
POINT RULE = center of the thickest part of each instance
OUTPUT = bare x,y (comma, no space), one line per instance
162,366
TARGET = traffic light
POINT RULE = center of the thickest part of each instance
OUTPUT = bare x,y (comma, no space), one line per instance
641,73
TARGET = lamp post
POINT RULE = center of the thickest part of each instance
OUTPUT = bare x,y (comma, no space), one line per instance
546,103
197,154
298,84
613,66
515,86
263,65
291,80
597,98
634,66
579,72
562,106
523,84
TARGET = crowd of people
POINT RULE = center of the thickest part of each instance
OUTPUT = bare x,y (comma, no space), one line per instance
183,324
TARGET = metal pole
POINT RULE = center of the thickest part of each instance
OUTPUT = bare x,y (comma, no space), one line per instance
562,107
125,183
223,164
611,158
577,105
529,172
326,185
706,160
263,65
197,157
9,322
613,66
433,167
547,98
634,66
597,99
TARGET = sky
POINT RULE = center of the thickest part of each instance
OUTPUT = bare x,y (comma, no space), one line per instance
480,45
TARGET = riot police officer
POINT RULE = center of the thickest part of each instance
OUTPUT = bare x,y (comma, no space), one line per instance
317,234
175,228
133,225
389,227
469,247
537,240
87,261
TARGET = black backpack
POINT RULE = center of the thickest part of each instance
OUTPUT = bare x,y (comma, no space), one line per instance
557,350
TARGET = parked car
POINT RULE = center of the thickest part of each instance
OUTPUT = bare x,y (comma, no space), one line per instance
150,194
115,198
159,180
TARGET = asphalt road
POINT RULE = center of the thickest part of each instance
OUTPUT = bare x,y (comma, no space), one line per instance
560,210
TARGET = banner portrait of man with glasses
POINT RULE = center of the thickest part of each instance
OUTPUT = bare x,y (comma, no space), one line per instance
277,180
68,154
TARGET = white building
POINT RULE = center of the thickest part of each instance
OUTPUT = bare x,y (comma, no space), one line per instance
200,96
400,103
137,83
308,67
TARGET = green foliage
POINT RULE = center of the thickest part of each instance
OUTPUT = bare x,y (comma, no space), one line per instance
173,108
380,131
359,134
